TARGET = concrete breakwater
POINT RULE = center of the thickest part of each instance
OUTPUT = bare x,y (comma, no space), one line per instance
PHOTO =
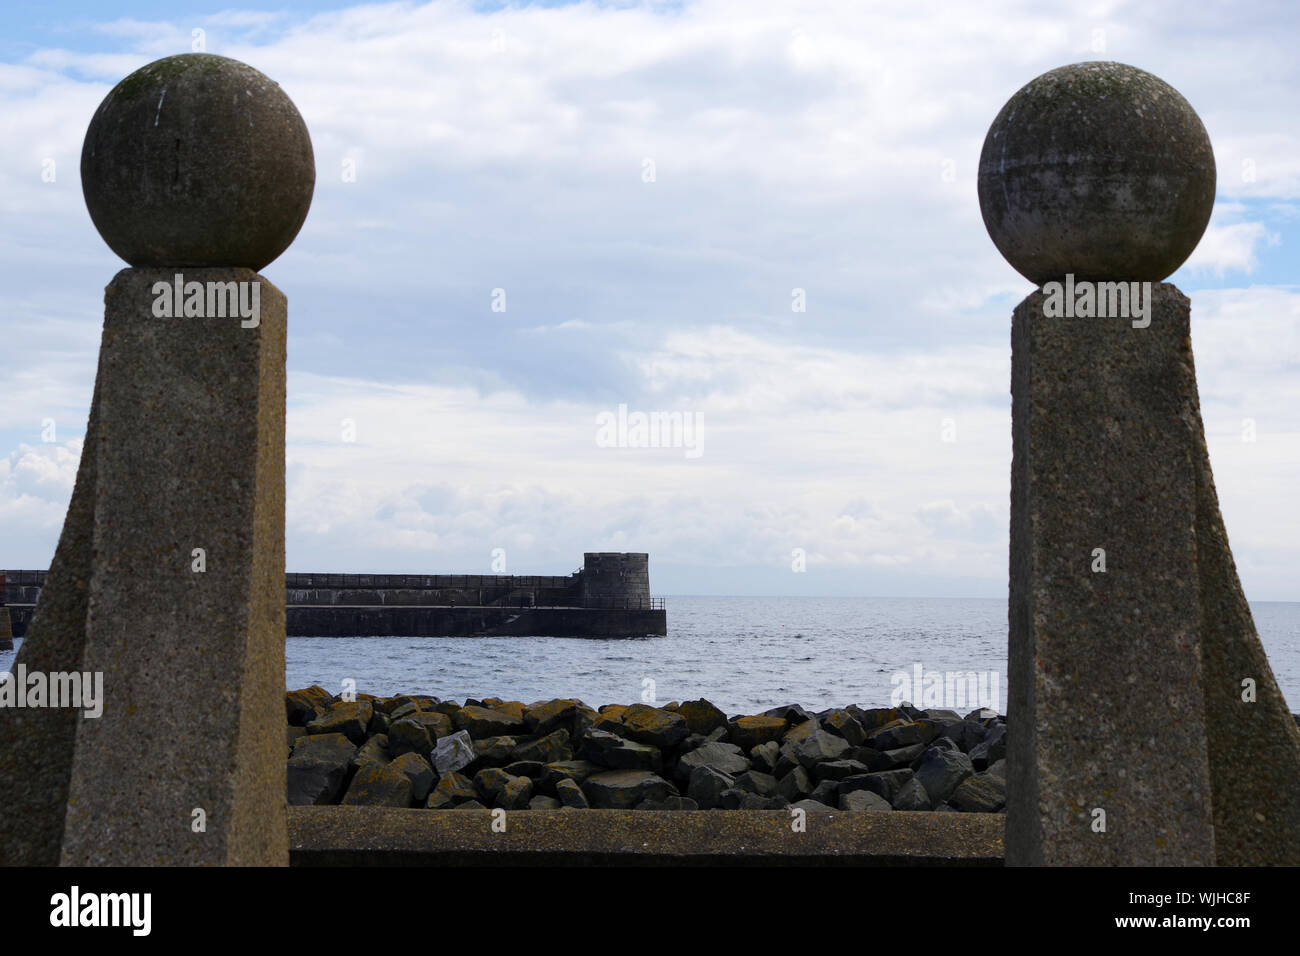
419,751
609,596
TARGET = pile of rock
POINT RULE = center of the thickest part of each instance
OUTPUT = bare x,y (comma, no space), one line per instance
415,751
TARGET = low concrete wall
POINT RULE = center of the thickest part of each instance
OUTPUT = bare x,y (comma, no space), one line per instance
369,836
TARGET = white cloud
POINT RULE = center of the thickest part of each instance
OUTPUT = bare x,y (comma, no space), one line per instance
795,146
1230,248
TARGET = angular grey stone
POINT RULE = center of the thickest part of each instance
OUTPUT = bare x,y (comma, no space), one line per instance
552,748
786,762
722,757
903,733
843,724
378,785
419,772
791,713
983,793
942,715
764,757
482,722
409,736
349,718
540,802
901,757
376,748
820,746
872,719
941,771
610,750
795,785
756,781
546,716
670,802
452,789
304,706
453,753
702,717
318,769
654,726
707,785
737,799
838,769
827,792
991,749
885,784
748,732
575,770
808,805
570,794
858,800
964,733
437,724
911,796
525,768
514,794
494,751
489,782
624,789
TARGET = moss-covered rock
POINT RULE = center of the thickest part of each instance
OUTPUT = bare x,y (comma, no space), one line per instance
654,726
378,785
748,732
318,769
349,718
701,716
419,771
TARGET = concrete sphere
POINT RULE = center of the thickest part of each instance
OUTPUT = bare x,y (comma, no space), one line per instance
1098,169
197,160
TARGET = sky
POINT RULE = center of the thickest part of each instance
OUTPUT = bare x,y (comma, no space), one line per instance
530,215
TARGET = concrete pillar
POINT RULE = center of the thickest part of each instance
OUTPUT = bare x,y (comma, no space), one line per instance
1147,726
191,645
169,576
1105,681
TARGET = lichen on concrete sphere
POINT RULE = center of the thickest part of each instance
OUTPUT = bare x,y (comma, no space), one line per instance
1099,169
197,160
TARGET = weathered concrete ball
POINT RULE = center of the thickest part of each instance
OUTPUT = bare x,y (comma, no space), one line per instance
1099,169
197,160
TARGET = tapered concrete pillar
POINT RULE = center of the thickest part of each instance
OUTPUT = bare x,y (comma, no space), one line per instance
1108,760
1147,726
168,583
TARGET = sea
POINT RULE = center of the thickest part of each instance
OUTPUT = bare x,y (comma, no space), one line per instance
745,654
